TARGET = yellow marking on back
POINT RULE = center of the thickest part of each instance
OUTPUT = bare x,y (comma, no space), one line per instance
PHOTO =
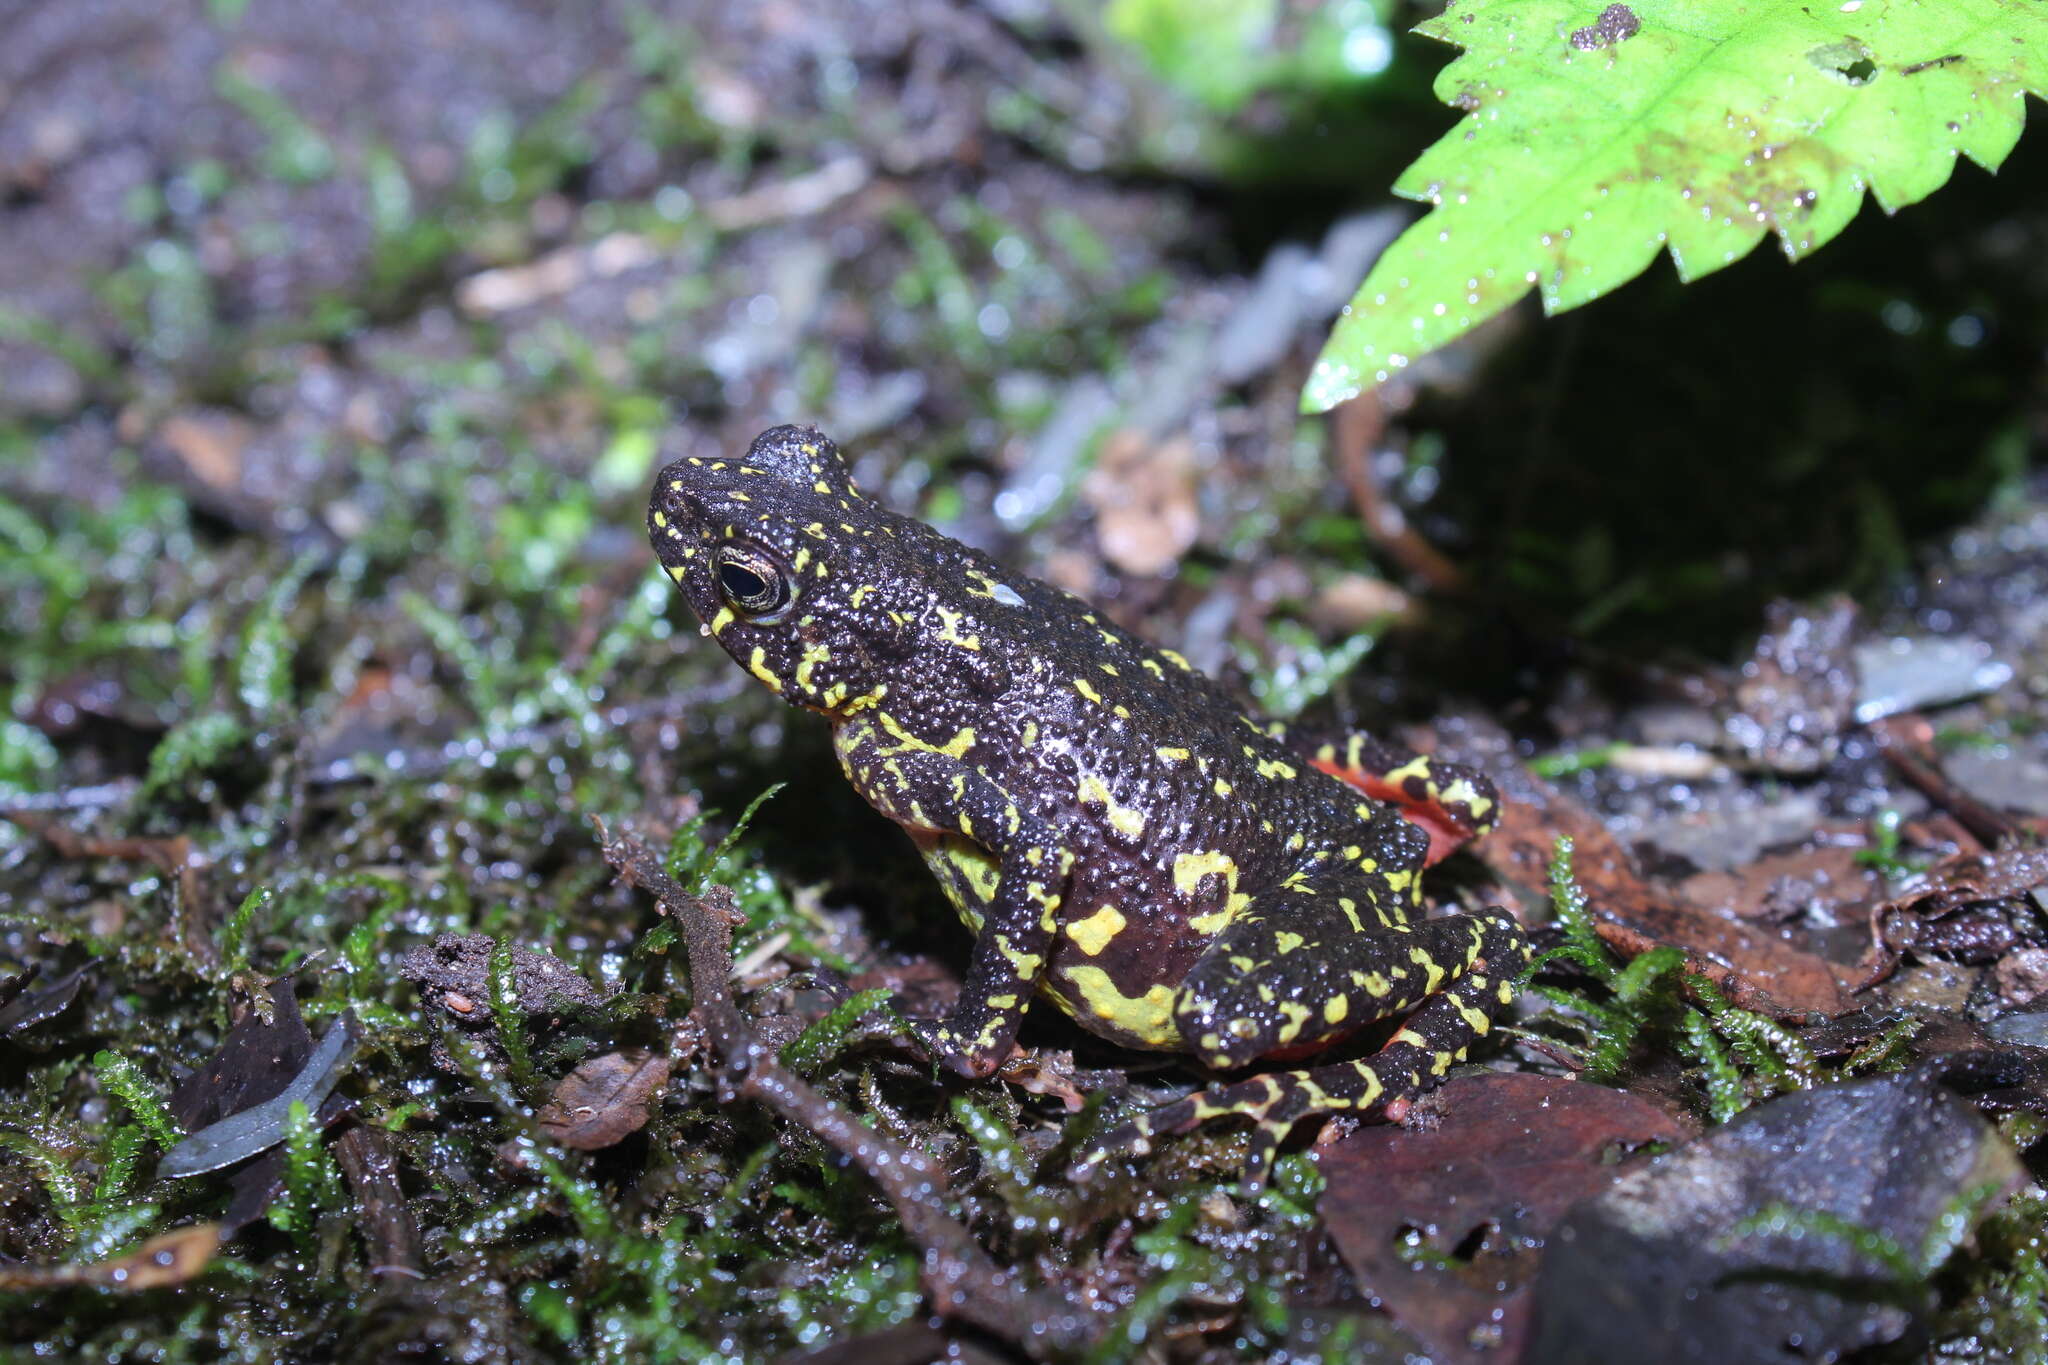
1168,755
1188,871
1083,686
1176,660
1092,935
949,622
1273,767
1125,820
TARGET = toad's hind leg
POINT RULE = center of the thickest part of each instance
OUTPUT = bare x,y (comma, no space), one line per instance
1436,1036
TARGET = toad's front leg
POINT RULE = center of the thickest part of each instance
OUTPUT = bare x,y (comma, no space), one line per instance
928,792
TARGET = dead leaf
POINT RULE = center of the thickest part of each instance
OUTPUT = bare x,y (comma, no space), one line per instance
170,1259
1758,970
1822,874
1143,493
605,1099
1491,1159
210,446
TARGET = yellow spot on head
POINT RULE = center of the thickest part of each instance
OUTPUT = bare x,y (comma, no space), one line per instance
758,666
1335,1009
1083,686
1167,755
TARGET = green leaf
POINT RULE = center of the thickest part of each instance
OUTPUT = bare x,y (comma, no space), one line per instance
1587,149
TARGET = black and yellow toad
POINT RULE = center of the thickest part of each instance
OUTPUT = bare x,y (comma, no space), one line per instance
1115,830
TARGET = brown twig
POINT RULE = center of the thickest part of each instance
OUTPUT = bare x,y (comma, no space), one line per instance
1355,429
1904,741
389,1233
964,1284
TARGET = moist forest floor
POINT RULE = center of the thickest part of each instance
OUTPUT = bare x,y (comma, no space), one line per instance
369,806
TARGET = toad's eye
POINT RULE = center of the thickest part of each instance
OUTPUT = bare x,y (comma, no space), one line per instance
751,582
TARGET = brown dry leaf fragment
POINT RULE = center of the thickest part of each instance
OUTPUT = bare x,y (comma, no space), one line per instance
24,1009
1143,495
171,1259
1495,1159
209,445
1047,1073
605,1099
1823,874
1974,907
1976,879
1353,601
1758,970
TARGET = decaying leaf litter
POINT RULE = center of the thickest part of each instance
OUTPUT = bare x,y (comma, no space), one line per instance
328,629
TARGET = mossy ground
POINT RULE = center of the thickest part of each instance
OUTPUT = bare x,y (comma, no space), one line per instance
336,359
